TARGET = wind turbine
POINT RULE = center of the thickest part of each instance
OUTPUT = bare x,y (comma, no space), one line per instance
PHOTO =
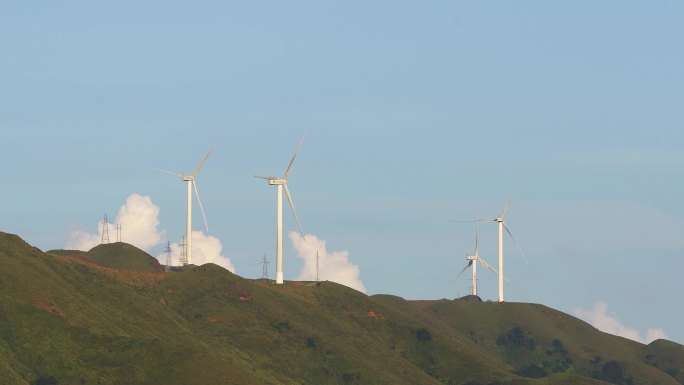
502,225
190,179
282,183
472,262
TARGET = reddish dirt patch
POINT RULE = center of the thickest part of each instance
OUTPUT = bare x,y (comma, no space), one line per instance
135,278
375,315
86,260
49,305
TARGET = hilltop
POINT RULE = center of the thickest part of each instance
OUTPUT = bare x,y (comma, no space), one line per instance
119,255
64,320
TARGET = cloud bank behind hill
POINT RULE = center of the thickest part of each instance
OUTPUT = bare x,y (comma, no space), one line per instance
205,249
600,319
139,219
332,266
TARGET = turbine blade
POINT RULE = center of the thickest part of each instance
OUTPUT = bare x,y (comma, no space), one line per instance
294,212
516,242
465,268
294,156
477,235
168,172
485,264
508,204
505,209
200,205
474,220
262,177
199,166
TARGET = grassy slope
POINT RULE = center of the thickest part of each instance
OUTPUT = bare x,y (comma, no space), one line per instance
587,348
118,255
83,323
313,334
667,356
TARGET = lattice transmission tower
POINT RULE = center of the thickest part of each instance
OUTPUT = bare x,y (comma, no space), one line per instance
264,268
167,252
317,279
105,230
183,260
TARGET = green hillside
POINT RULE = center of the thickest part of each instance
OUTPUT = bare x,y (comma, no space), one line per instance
537,341
67,321
118,255
666,356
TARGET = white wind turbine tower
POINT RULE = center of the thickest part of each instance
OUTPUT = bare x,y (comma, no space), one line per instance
472,262
502,226
190,179
282,183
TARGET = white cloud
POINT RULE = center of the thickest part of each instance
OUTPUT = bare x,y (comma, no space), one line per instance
139,219
81,240
599,318
655,334
332,266
205,249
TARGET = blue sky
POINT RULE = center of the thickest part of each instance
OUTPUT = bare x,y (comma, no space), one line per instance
418,113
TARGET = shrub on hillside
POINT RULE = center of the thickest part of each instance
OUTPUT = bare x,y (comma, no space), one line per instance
45,380
517,338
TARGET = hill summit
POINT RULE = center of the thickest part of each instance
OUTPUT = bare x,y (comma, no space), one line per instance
118,255
67,321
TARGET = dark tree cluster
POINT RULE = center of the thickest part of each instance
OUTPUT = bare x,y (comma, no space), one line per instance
45,380
423,335
517,338
614,373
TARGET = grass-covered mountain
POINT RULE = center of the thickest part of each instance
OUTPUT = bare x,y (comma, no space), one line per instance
65,320
119,255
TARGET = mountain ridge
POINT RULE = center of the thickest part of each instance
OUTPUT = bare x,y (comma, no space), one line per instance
66,321
118,255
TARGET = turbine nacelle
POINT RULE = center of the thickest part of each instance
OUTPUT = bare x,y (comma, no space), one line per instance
187,178
272,180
